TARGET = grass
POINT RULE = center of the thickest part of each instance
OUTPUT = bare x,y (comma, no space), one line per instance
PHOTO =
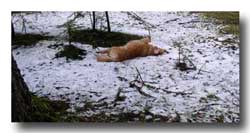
71,52
45,110
229,19
28,39
98,38
232,28
125,117
213,97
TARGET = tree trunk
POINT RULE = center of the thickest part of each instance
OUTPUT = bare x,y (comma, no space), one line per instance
108,24
12,31
94,20
21,98
69,33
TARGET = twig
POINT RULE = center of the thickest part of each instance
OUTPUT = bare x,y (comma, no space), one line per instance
179,54
118,97
137,17
185,57
200,70
201,67
193,21
139,75
102,99
143,84
167,91
177,93
139,89
149,34
171,20
206,71
183,66
77,15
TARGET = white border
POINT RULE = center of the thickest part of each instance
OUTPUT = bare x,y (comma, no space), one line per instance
112,5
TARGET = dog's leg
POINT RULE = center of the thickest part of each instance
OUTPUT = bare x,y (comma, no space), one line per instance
103,51
104,58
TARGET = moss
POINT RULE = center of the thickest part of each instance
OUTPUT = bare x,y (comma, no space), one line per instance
203,100
224,17
71,52
28,39
231,28
213,97
72,117
220,119
45,110
98,38
229,19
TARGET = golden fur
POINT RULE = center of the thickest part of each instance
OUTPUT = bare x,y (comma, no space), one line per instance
133,49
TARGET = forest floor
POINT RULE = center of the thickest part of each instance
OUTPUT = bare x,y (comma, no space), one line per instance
149,88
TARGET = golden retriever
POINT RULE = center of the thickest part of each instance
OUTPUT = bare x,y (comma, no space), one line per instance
133,49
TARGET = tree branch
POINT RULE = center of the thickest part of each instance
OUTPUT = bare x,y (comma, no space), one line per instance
139,88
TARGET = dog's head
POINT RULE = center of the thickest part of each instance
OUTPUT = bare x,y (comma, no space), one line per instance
158,51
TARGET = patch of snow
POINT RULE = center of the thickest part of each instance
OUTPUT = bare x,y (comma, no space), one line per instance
88,81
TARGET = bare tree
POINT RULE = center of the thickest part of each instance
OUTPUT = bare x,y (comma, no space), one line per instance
94,20
108,24
12,31
69,30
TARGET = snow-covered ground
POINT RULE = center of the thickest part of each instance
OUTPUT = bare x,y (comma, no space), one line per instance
208,94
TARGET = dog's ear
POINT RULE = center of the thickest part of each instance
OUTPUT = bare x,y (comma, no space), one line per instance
146,40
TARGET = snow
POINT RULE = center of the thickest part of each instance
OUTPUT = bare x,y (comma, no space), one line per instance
87,80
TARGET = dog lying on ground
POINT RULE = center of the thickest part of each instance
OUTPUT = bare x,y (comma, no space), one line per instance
133,49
